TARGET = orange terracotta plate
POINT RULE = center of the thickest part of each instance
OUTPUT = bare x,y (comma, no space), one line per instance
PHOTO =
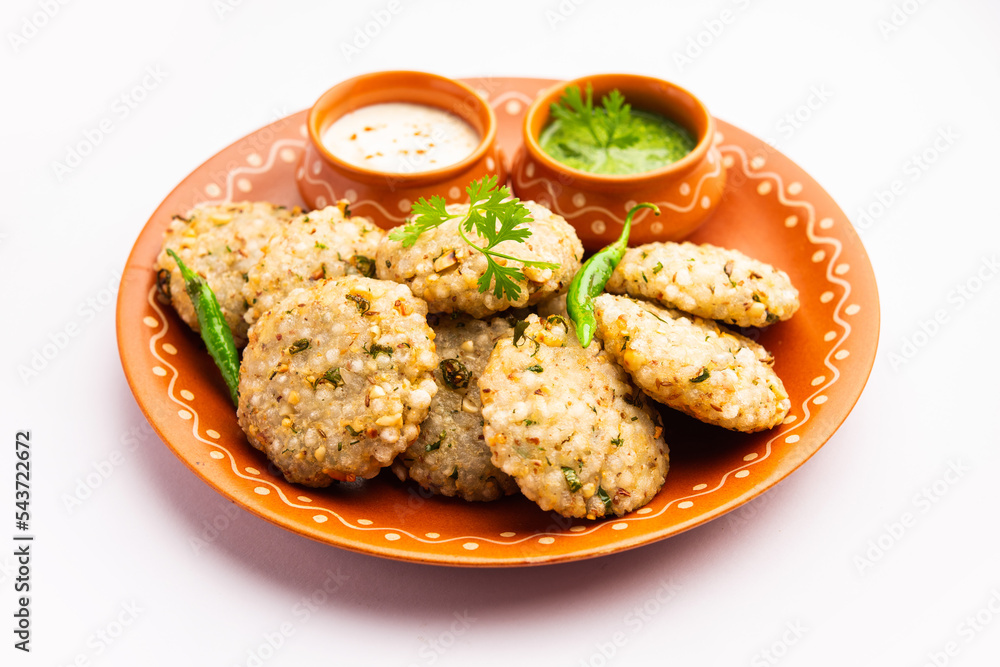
772,210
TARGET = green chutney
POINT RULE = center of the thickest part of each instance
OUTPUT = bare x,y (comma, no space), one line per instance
658,142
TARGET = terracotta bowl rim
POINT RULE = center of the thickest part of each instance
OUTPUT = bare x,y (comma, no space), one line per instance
540,105
319,112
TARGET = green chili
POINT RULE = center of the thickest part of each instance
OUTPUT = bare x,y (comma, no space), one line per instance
590,280
214,329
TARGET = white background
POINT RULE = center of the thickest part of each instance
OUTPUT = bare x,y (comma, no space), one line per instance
790,559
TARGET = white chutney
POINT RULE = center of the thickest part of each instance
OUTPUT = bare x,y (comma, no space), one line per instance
400,138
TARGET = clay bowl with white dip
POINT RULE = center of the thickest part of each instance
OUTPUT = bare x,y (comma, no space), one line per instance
383,140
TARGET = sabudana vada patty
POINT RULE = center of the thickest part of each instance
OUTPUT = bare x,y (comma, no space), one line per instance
337,378
451,456
311,247
707,281
442,269
220,243
568,425
692,364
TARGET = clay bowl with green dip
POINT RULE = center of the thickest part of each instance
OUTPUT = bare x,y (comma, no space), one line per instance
591,158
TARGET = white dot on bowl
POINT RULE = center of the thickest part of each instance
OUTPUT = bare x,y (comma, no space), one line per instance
728,161
317,166
254,160
764,188
826,297
217,455
432,536
303,131
685,188
826,223
852,309
686,504
404,205
750,457
169,349
819,400
187,395
757,162
471,546
490,164
719,137
656,227
644,510
546,540
454,193
829,335
699,487
508,533
579,200
365,522
629,205
213,434
262,490
159,370
213,190
184,414
529,169
791,221
301,173
252,471
351,195
598,227
794,188
819,256
818,380
792,439
392,537
150,321
841,269
513,107
305,499
577,529
321,202
320,518
287,155
789,419
841,355
619,526
742,473
706,202
483,93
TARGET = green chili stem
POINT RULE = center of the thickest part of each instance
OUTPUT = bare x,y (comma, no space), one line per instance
590,280
212,323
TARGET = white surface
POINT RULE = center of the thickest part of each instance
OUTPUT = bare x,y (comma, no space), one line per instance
740,582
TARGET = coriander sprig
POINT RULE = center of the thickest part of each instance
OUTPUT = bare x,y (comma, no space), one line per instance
488,206
609,125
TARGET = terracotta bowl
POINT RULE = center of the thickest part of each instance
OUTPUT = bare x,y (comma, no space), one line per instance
323,178
686,191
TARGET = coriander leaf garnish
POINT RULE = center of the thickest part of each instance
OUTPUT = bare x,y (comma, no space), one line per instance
426,215
519,328
609,124
488,206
